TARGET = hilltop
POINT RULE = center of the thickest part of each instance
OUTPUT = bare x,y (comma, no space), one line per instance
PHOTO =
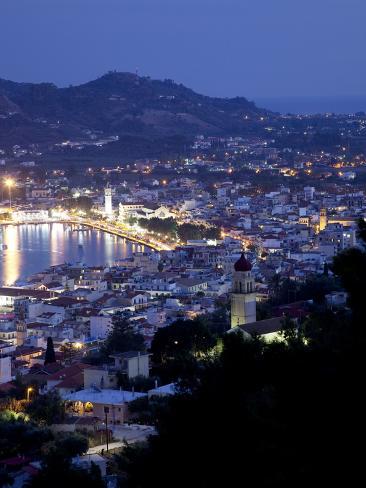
117,104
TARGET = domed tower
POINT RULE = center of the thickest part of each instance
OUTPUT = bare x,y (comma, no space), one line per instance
243,304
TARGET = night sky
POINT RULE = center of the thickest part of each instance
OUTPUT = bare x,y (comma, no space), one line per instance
255,48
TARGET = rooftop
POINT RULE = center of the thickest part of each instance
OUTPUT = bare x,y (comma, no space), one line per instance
105,396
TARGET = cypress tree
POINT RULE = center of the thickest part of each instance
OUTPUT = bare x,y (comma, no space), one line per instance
50,356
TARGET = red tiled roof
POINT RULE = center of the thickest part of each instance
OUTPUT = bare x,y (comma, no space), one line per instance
48,369
69,372
24,292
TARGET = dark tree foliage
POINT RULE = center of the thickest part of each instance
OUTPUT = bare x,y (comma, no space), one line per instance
190,231
314,288
122,338
57,468
5,478
82,203
50,356
350,265
182,339
21,438
278,414
139,383
65,447
177,349
217,322
146,410
161,226
46,409
361,234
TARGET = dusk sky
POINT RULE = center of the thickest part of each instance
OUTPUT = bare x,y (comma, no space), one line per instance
254,48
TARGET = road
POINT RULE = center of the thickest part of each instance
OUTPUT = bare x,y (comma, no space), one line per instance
122,433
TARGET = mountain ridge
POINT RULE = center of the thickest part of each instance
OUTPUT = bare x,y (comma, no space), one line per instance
121,104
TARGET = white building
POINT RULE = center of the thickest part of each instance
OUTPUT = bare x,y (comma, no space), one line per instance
309,193
30,215
108,207
5,369
100,326
243,298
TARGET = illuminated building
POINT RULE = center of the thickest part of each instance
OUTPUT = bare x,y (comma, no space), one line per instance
108,208
243,297
323,219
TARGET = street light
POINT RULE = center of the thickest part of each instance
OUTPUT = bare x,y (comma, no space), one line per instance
29,390
9,182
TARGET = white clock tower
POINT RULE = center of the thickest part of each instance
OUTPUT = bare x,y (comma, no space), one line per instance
108,207
243,302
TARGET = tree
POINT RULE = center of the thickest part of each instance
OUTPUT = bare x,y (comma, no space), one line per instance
58,469
284,407
290,408
18,437
50,356
177,349
122,338
189,231
182,338
361,233
83,203
46,409
65,446
5,478
350,266
212,232
161,226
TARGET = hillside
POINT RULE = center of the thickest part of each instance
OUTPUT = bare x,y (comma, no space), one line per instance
117,104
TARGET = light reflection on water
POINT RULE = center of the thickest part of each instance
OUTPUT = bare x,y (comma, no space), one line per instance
27,249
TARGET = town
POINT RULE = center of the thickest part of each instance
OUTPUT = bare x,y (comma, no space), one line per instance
243,243
182,243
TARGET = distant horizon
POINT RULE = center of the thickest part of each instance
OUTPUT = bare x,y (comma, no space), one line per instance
311,105
179,82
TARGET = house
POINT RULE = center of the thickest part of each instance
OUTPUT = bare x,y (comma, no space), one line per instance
100,326
163,391
100,377
8,295
132,363
102,403
268,329
136,299
67,380
5,369
191,285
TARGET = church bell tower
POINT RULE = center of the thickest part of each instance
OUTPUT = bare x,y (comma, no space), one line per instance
21,327
108,206
323,219
243,301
